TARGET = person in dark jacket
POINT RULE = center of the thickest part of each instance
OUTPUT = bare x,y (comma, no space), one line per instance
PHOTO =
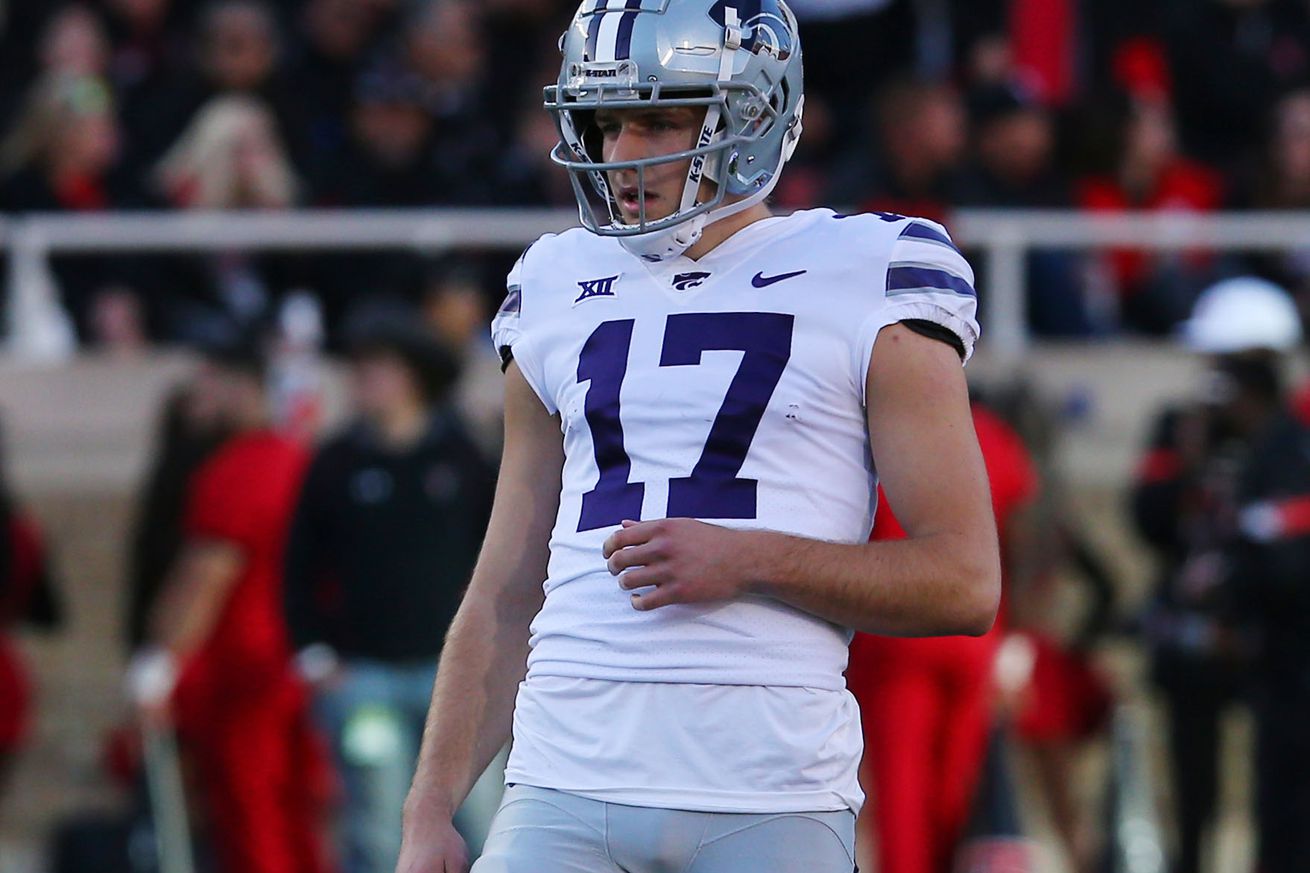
1272,572
385,536
1185,505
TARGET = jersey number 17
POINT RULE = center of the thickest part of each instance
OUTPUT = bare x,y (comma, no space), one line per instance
713,490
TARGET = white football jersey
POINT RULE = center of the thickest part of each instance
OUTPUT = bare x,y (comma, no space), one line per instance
728,389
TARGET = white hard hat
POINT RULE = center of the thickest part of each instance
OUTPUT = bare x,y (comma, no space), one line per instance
1242,315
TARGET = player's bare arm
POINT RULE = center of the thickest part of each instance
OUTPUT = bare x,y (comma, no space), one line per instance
188,608
943,579
194,595
485,653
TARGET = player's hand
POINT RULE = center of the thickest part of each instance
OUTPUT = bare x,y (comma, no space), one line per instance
431,845
680,559
151,678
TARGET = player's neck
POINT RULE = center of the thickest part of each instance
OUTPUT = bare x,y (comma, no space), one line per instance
718,232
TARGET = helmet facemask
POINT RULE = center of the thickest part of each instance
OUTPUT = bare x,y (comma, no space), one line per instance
579,152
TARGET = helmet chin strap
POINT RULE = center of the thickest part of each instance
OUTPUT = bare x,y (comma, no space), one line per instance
672,243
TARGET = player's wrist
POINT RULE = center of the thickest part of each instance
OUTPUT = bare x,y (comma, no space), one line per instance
152,676
430,804
759,560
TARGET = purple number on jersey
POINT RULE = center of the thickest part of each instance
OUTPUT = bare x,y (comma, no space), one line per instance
713,490
604,363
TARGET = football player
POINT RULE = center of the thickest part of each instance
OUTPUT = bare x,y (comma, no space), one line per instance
696,395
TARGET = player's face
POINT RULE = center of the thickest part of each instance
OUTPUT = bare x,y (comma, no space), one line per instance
636,134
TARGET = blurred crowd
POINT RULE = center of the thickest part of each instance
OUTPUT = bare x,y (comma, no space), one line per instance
914,106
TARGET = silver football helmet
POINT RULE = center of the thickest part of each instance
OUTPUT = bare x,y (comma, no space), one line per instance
740,59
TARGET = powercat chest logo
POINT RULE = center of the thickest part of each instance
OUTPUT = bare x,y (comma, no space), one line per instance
687,281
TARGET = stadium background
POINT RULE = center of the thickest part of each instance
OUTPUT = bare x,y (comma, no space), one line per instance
1173,107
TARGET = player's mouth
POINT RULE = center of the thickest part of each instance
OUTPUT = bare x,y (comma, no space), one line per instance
630,201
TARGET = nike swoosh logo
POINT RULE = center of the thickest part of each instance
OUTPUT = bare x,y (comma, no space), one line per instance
760,281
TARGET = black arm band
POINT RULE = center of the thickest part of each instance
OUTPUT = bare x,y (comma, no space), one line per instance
933,330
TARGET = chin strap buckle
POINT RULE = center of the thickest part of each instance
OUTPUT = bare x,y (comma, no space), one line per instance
732,37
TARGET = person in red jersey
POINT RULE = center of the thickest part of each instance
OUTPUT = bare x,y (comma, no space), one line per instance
925,704
26,598
219,668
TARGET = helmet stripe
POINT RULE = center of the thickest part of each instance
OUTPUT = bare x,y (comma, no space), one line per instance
623,45
593,29
607,38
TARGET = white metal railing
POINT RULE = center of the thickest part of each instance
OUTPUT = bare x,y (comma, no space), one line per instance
38,329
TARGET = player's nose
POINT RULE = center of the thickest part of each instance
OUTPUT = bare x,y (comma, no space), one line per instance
628,145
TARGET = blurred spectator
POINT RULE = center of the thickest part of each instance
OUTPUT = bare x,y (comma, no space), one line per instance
218,661
118,323
1050,690
1284,180
229,158
445,46
1272,564
455,309
1014,149
521,37
1185,505
1149,173
239,54
27,597
395,156
391,156
75,44
63,156
527,176
1014,143
444,43
39,41
190,429
1229,59
1281,180
924,135
145,40
61,153
386,532
335,36
150,54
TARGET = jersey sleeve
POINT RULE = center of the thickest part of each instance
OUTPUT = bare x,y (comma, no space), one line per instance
508,333
928,280
218,507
